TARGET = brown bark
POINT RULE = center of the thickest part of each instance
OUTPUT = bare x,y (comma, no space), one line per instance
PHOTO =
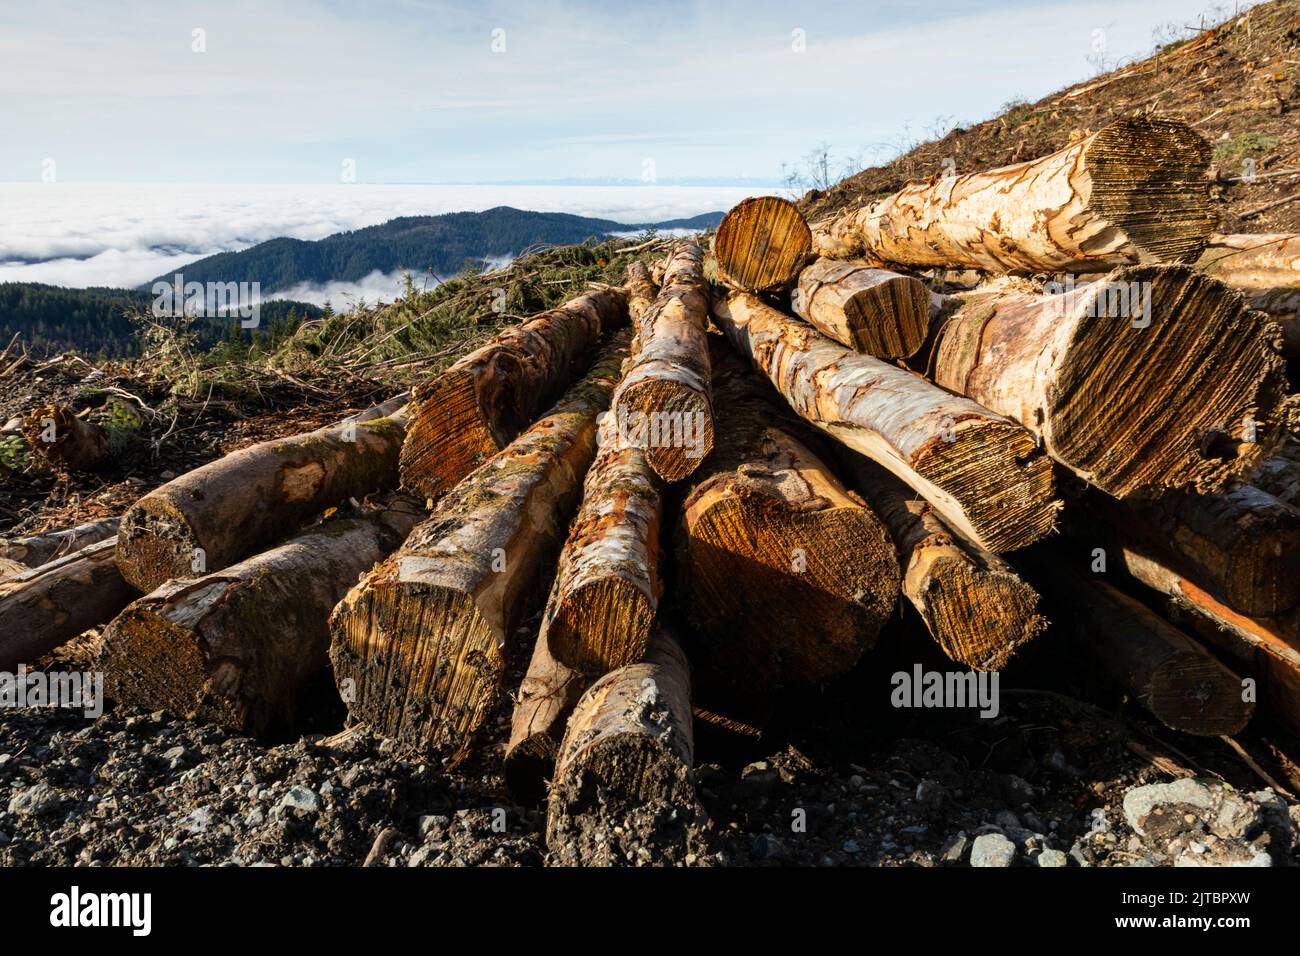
980,471
1268,649
1134,192
1156,377
873,311
642,290
975,606
37,549
425,636
67,442
466,414
626,762
238,646
51,604
761,244
211,517
546,698
1280,476
664,405
788,579
1180,683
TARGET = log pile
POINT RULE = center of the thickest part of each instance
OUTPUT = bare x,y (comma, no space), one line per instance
1108,465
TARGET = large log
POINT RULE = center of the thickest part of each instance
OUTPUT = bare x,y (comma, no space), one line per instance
1134,192
975,606
209,518
238,646
981,471
1156,377
1266,270
1242,545
1180,683
546,698
761,244
664,405
37,549
642,290
424,638
873,311
468,413
57,601
67,442
1267,649
787,578
624,770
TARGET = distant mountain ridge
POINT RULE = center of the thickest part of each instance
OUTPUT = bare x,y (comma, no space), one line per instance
443,244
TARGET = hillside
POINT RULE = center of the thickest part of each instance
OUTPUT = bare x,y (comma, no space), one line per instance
1238,84
443,245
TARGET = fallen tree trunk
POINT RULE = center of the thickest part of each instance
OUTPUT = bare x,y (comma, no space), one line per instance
981,471
1266,270
642,290
1156,377
787,578
37,549
1270,650
873,311
1134,192
1242,545
601,611
546,698
54,603
466,414
664,405
975,606
424,637
1173,677
623,778
237,646
209,518
761,244
67,442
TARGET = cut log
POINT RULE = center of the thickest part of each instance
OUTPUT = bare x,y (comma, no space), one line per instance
51,604
975,606
761,244
601,611
1156,377
37,549
1134,192
546,698
873,311
624,772
424,638
1243,545
981,471
467,414
1180,683
209,518
1270,650
787,577
238,646
1266,270
664,406
67,442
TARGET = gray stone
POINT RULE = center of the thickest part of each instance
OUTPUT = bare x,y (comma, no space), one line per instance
1052,858
300,798
954,849
36,800
992,849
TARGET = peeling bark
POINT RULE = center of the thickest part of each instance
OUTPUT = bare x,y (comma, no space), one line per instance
787,578
37,549
975,606
237,647
664,405
1156,377
209,518
1134,192
466,414
981,471
761,244
425,636
46,606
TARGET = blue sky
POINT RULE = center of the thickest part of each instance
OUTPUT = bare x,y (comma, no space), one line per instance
411,91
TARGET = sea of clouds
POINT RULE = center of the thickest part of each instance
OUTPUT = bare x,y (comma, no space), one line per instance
100,234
